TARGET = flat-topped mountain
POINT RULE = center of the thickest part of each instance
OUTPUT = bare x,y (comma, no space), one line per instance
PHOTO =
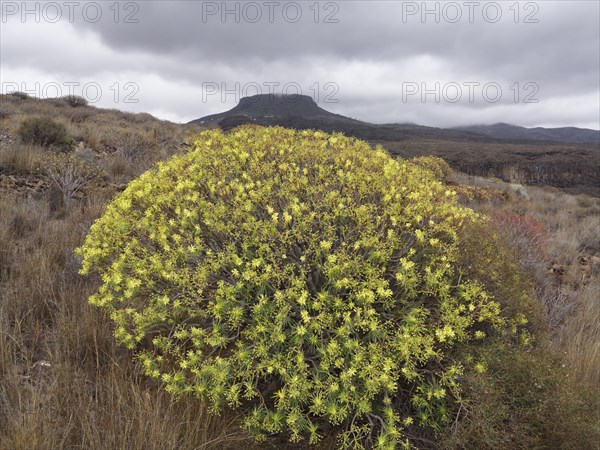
265,106
302,112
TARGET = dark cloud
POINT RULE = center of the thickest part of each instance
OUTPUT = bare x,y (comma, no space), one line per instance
372,51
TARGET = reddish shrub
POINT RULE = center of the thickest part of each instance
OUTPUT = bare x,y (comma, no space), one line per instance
526,232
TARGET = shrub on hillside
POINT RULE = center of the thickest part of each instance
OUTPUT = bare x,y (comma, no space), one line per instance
20,95
75,100
70,175
526,233
440,168
301,273
42,131
132,145
5,113
478,195
81,115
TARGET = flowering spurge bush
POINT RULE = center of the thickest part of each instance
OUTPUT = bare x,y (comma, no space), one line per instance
438,166
303,274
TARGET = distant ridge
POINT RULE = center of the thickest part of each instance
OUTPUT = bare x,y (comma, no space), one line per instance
507,131
302,112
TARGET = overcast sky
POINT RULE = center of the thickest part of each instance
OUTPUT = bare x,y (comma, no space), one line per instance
436,63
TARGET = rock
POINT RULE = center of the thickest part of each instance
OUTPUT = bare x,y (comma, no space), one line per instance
556,268
519,189
85,154
558,271
7,182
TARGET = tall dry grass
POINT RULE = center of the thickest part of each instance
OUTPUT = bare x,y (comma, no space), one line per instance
23,159
573,224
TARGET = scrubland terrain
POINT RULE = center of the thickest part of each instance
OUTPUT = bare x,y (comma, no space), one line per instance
573,167
65,384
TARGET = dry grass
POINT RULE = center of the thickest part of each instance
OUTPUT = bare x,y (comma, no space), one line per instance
573,224
22,159
580,336
568,288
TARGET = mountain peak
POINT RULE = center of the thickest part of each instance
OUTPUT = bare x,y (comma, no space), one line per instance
270,106
278,105
277,98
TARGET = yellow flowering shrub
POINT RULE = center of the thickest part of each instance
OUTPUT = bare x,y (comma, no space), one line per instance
438,166
304,276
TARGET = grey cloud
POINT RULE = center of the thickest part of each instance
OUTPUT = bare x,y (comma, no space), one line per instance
369,53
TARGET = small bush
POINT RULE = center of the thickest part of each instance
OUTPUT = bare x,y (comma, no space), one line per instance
132,146
70,175
142,118
20,95
5,113
118,168
526,232
302,274
70,143
80,116
438,166
42,131
477,195
75,100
